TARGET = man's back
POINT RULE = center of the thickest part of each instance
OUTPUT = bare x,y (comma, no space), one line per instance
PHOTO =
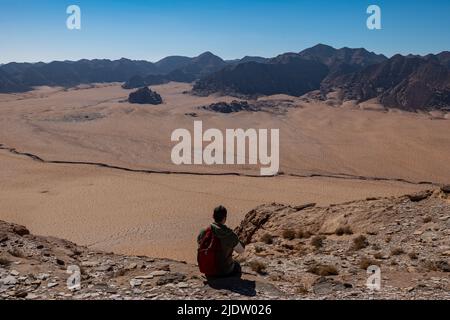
228,240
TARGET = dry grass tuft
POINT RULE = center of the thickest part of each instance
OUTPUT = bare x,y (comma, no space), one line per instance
288,234
359,243
267,238
365,262
343,230
323,270
397,251
257,266
317,241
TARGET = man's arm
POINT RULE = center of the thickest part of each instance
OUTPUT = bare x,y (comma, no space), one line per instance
239,248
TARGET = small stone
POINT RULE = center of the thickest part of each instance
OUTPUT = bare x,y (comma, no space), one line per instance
43,276
183,285
89,263
135,282
31,296
146,277
131,266
14,272
20,294
158,273
20,230
52,284
171,278
9,281
104,268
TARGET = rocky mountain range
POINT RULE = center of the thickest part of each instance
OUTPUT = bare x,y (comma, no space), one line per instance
289,73
21,77
406,82
411,83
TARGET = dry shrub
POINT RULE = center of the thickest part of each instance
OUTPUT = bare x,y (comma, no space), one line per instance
397,251
301,289
360,242
288,234
427,219
378,256
258,266
16,253
388,239
323,270
258,249
441,265
413,255
4,262
303,234
267,238
317,241
365,262
343,230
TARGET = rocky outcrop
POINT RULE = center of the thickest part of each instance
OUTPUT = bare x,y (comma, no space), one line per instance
273,106
145,96
325,251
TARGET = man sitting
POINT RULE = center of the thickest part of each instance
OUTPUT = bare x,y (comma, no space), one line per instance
216,246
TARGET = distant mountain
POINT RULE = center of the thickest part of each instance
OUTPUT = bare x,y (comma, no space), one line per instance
443,57
23,76
335,57
288,73
248,59
172,63
410,82
189,70
406,82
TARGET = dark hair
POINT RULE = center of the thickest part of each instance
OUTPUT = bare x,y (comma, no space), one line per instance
220,213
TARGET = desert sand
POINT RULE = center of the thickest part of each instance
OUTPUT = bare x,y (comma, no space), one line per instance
160,214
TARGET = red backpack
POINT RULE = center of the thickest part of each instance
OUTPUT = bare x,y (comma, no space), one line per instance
208,249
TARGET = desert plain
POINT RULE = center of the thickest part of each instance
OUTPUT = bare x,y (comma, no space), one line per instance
105,177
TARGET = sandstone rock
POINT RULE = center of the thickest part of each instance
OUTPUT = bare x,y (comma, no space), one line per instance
135,282
419,196
446,188
171,278
158,273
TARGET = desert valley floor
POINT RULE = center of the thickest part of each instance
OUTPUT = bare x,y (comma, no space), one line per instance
328,154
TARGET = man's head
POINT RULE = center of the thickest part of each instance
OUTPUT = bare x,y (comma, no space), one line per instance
220,214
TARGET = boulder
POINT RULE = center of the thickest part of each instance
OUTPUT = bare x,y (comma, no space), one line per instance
145,96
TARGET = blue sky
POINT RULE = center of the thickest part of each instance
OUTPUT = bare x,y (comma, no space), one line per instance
35,30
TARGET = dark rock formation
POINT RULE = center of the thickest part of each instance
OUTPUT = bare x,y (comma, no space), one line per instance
410,83
274,106
144,96
234,106
288,74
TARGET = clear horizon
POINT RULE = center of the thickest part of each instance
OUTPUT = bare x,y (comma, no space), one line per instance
35,31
